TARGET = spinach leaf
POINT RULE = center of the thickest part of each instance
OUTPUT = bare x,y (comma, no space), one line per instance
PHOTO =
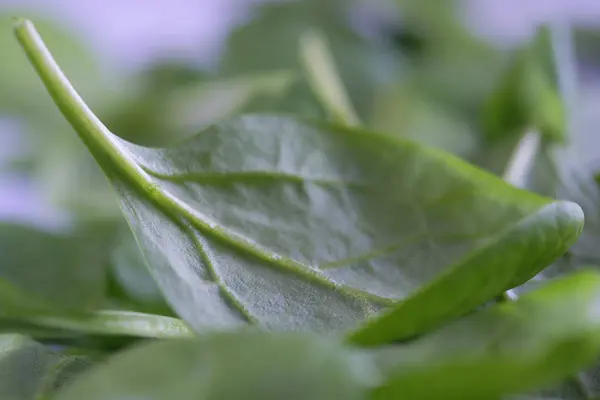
234,365
46,272
500,350
296,225
269,40
31,371
575,164
542,337
528,95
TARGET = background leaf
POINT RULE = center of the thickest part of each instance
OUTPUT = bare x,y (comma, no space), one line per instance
50,272
542,337
269,41
235,365
30,371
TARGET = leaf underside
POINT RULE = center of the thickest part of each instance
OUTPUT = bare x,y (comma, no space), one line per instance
293,225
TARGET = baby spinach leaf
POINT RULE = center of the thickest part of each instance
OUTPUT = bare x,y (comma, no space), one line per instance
575,164
234,365
544,336
31,371
195,107
527,95
159,113
294,225
269,41
49,272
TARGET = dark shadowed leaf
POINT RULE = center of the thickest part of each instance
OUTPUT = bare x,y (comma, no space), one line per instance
50,272
544,336
250,365
31,371
293,225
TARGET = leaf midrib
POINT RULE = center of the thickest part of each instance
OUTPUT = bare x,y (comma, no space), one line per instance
104,146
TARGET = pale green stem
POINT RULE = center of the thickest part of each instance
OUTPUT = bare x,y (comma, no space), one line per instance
518,170
119,323
89,128
324,79
522,159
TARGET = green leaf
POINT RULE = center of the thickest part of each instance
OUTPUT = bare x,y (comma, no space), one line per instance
236,365
575,181
133,281
527,96
544,336
164,110
402,110
270,41
195,107
301,226
49,272
30,371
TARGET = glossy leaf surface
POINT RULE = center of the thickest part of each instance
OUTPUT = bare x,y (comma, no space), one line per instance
295,225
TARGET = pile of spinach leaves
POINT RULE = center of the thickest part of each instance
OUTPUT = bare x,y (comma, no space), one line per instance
358,218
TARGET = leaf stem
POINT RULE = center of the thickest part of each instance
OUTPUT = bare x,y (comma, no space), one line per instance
90,129
324,78
522,159
119,323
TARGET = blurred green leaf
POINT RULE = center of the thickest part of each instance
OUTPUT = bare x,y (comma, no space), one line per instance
527,96
236,365
50,272
455,69
403,111
171,102
270,39
31,371
544,336
195,107
575,164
